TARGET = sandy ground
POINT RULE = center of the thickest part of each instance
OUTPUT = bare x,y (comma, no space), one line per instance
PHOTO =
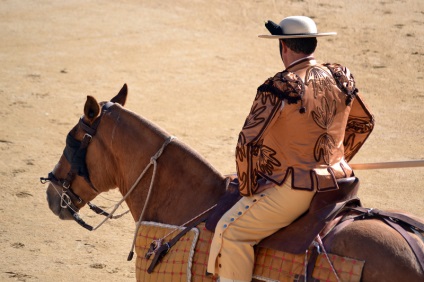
192,67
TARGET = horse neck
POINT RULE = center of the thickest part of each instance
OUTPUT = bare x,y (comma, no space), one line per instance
184,185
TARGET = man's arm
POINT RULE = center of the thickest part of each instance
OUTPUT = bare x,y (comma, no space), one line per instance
264,111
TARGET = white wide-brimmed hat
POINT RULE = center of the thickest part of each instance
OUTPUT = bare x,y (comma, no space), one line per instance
294,27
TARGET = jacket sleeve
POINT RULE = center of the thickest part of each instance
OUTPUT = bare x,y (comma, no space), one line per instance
360,124
265,110
361,121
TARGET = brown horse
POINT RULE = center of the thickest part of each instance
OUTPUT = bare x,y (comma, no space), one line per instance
112,147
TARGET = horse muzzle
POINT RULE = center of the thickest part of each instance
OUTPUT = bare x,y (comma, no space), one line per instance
56,199
61,202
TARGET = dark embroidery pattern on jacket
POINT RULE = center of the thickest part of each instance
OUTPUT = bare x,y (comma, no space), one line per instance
355,126
344,80
323,148
323,116
240,150
285,86
358,128
267,161
254,118
251,154
319,80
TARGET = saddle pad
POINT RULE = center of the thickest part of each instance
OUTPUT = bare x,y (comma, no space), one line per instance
347,269
272,265
187,260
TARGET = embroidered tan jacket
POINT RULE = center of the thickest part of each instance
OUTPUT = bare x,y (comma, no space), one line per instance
308,120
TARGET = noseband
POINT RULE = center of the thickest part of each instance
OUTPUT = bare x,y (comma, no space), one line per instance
75,152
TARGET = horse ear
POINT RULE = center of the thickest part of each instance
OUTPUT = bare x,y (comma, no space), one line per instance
91,108
122,96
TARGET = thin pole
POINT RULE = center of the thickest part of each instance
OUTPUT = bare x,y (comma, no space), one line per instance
380,165
383,165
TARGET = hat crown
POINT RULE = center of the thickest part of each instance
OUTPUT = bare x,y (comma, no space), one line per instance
298,25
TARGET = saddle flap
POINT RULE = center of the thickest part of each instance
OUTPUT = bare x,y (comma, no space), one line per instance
348,189
299,235
231,196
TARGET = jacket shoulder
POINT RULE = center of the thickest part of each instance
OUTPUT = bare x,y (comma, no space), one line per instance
285,85
344,79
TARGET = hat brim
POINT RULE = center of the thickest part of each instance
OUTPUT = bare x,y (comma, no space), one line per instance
298,35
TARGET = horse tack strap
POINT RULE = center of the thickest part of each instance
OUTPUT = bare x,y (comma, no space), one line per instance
311,265
92,128
77,160
418,252
397,216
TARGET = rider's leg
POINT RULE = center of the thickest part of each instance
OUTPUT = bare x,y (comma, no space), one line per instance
249,221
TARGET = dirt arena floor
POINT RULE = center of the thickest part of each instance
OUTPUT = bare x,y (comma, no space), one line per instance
192,67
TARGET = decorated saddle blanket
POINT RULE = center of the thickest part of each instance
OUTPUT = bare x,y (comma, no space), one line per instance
187,260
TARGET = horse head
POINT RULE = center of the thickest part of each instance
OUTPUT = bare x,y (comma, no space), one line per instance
81,174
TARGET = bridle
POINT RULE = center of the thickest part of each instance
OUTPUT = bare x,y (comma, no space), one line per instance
75,152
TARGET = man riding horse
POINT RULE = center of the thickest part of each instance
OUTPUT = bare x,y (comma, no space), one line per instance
296,141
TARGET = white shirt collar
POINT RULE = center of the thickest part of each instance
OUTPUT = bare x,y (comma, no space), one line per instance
311,57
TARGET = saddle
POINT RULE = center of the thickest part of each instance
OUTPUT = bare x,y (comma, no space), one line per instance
325,206
299,235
